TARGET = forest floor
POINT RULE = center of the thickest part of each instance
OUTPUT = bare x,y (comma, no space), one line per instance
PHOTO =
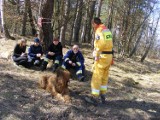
133,92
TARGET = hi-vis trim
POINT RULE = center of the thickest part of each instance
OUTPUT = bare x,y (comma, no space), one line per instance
79,72
66,59
56,61
107,34
46,59
78,63
63,67
103,88
95,92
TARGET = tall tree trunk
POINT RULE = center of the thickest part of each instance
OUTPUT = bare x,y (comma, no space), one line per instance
98,11
47,13
91,13
84,26
4,27
72,27
137,42
31,17
77,22
110,18
24,19
66,5
151,41
18,6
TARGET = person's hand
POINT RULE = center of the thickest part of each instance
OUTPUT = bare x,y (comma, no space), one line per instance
51,53
94,53
70,62
73,64
38,55
23,54
96,58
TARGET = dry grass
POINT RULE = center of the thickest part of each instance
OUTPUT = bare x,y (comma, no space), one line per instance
133,91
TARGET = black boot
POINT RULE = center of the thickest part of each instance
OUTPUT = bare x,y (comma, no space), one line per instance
55,66
92,100
81,79
44,65
103,97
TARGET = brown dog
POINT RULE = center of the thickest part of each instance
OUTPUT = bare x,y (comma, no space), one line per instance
57,84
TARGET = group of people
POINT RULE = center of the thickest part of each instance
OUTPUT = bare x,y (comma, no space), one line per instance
74,59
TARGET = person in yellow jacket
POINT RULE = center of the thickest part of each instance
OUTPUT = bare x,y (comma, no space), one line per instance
102,59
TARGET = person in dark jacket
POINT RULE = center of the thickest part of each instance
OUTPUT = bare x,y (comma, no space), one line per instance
54,53
35,53
19,53
74,59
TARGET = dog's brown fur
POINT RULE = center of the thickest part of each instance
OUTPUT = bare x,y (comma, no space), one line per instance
57,84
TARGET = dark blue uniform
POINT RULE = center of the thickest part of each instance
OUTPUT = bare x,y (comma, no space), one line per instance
32,53
78,59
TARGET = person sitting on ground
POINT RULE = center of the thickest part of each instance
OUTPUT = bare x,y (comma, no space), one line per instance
35,53
54,53
74,59
19,53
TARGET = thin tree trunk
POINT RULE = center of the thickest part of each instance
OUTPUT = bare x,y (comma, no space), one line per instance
66,6
4,27
151,42
18,6
91,13
110,18
84,26
98,11
72,27
24,19
77,22
137,42
31,17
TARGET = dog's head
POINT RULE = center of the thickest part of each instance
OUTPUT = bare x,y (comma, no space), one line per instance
63,77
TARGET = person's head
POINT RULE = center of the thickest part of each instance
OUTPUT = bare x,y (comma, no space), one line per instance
22,42
55,41
36,42
96,21
75,48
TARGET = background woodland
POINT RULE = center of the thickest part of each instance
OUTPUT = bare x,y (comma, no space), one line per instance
134,23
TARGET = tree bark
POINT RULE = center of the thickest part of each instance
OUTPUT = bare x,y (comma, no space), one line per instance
98,11
24,19
31,18
4,27
47,12
151,41
66,6
90,17
77,22
138,41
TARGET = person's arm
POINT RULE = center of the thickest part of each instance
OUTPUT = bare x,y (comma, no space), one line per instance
30,52
67,55
59,52
80,60
15,51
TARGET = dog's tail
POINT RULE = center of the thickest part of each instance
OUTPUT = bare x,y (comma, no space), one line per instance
43,81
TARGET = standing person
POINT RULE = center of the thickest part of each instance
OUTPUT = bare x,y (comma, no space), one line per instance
54,53
74,59
35,53
102,60
19,53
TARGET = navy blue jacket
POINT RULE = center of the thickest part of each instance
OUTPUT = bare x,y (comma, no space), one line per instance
33,50
78,57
